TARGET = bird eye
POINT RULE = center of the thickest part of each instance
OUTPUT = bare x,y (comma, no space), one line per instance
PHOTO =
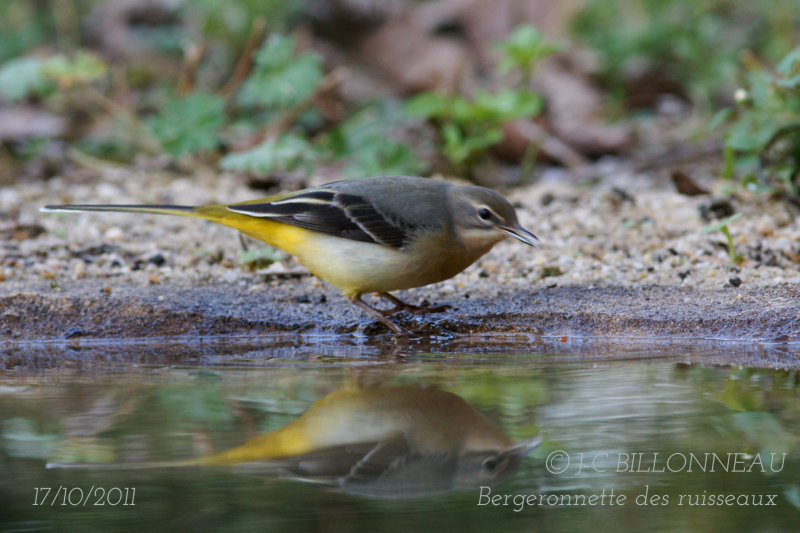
491,463
484,213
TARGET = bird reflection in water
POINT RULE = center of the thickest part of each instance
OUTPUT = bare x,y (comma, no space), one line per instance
381,442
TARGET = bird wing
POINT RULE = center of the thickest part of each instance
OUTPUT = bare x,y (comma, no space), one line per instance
333,212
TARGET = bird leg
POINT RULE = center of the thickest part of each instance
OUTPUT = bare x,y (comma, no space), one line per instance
400,305
358,302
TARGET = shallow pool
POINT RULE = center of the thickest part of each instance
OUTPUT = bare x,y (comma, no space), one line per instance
281,436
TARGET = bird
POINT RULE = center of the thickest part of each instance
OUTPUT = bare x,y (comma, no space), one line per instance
368,235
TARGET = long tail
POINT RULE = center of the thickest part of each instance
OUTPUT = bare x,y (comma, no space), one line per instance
207,212
266,230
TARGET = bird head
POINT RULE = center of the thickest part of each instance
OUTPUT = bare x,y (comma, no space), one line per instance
482,216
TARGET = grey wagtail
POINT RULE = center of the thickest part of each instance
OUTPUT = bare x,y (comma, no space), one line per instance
368,235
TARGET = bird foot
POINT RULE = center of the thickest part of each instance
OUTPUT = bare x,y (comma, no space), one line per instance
400,305
376,313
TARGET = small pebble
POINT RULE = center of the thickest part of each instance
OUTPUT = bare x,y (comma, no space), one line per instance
113,234
448,288
157,260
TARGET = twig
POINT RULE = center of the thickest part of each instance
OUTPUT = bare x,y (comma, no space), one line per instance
245,63
194,55
120,89
93,163
549,144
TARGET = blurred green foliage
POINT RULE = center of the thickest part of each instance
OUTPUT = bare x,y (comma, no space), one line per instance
361,141
260,257
281,78
272,118
287,153
187,125
694,44
470,126
22,77
523,50
762,138
42,77
23,26
276,102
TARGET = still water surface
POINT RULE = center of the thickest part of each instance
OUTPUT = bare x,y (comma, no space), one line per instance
411,442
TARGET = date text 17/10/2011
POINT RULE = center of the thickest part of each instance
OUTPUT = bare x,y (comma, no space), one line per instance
78,497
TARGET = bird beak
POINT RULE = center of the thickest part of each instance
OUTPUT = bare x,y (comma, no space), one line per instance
521,234
525,447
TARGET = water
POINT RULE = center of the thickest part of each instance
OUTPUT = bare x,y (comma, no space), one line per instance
401,440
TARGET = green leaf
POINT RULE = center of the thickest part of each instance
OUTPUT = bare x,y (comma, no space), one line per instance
281,79
430,105
523,49
729,156
365,141
188,125
720,117
721,224
287,153
261,256
81,69
459,148
506,105
469,128
752,132
389,158
790,64
19,78
790,83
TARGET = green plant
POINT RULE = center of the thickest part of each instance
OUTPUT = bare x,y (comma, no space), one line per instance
23,26
364,142
284,84
762,140
260,257
24,77
469,126
694,45
189,124
287,153
281,78
722,226
523,50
